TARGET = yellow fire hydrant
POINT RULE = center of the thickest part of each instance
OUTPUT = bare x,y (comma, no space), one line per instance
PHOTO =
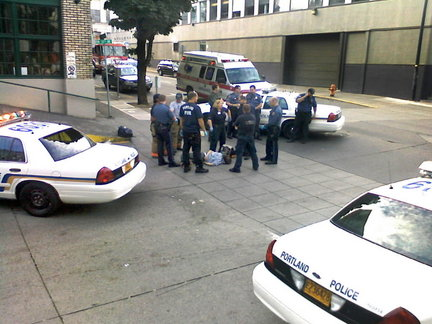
332,89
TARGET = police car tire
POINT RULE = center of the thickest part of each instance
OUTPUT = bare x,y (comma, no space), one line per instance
160,72
39,199
287,129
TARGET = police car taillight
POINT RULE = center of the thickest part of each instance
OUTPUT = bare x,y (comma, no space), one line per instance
269,254
399,316
331,117
105,175
426,169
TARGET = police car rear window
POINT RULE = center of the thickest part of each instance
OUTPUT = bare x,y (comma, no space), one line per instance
395,225
66,143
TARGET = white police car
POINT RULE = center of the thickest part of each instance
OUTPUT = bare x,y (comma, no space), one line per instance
44,164
328,118
370,263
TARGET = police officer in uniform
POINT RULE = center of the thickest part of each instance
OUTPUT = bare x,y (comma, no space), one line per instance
162,117
255,100
191,122
245,124
233,103
273,128
306,103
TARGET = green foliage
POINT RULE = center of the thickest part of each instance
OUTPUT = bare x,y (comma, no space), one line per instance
149,17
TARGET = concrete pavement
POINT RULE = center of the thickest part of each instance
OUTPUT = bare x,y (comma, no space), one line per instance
136,260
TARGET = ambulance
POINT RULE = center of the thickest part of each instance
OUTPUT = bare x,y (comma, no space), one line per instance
199,70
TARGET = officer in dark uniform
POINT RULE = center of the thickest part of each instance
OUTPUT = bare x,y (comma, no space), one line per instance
162,117
255,100
245,125
306,103
191,122
233,103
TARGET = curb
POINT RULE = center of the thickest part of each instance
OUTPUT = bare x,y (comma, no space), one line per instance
346,101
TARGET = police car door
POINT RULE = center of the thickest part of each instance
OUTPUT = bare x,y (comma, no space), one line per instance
12,164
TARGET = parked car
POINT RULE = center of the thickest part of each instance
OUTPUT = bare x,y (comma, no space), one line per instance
45,164
167,67
328,118
370,264
125,76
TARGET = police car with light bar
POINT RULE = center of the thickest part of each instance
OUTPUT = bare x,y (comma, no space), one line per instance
371,263
45,164
328,119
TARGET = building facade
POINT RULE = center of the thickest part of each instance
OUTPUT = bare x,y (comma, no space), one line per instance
372,47
46,45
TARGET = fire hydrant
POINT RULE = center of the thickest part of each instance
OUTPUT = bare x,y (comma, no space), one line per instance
332,89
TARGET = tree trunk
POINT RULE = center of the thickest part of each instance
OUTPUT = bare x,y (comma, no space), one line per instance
144,57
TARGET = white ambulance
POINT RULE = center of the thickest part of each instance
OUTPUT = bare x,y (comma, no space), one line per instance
199,70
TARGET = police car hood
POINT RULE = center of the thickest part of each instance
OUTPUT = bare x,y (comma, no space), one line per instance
90,161
261,87
346,264
132,77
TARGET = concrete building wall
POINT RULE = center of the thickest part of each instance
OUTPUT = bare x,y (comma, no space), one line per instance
382,38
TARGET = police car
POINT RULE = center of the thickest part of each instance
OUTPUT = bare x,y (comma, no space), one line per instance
45,164
370,263
328,118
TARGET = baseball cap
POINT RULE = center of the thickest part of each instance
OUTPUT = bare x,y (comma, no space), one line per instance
311,90
179,96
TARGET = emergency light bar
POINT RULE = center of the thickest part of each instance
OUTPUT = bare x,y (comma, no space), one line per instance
235,60
14,117
426,169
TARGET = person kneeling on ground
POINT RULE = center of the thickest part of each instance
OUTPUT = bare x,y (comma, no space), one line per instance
245,125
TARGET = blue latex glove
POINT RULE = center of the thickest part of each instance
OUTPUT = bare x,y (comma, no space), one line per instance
211,129
181,132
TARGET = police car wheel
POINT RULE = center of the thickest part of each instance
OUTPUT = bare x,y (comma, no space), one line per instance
160,72
287,129
39,199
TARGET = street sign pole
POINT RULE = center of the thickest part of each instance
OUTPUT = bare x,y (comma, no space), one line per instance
107,88
156,83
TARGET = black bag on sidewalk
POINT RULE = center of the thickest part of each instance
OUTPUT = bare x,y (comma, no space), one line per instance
124,132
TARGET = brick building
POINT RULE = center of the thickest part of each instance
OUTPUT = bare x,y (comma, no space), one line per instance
46,44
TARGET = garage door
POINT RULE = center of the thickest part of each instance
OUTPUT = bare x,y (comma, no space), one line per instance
312,60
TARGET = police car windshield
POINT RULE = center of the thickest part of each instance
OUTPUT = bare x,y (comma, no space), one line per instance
128,70
243,75
395,225
66,143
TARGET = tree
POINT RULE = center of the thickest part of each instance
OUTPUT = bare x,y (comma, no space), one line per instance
149,18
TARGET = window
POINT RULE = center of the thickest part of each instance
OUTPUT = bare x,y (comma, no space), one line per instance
203,11
336,2
202,72
11,149
213,9
315,3
30,44
224,9
203,46
95,14
184,18
176,47
237,6
263,6
194,14
65,144
243,75
220,76
282,5
249,7
209,73
393,224
283,104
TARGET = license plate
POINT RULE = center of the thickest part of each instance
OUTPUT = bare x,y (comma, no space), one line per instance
127,167
317,292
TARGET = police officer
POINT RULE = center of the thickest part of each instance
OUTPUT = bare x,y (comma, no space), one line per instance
191,122
255,100
216,124
306,102
162,117
233,103
273,128
245,125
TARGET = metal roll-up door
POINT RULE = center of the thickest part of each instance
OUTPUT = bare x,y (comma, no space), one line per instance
312,60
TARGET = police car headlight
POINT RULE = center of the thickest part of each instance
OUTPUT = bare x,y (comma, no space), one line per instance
298,279
336,303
